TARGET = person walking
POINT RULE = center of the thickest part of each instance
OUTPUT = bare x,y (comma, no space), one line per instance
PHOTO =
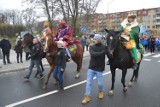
1,56
88,41
35,59
151,44
96,67
18,49
6,47
60,64
83,42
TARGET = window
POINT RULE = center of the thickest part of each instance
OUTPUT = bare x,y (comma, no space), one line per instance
154,16
148,26
139,12
153,26
144,12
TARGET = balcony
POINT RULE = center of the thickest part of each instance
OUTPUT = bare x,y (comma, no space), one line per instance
157,23
157,17
158,12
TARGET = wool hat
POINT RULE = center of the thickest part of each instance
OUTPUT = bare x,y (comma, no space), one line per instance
97,37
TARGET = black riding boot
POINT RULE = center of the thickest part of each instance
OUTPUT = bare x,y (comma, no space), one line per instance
134,67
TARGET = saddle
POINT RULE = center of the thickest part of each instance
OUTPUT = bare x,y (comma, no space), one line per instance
129,44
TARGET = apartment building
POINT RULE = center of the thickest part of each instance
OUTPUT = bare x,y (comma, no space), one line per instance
149,17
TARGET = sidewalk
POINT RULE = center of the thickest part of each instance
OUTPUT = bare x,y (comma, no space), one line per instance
21,66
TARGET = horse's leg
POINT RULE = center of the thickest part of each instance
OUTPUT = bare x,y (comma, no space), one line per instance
131,80
136,73
48,76
124,71
113,72
78,61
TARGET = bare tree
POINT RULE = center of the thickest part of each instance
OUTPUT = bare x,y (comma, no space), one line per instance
50,7
77,8
29,17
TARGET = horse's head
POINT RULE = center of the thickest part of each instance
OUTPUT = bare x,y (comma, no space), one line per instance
112,39
48,43
27,40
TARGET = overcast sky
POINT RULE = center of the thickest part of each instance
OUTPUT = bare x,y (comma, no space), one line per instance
114,6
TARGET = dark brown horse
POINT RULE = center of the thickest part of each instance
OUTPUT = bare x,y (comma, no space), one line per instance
28,41
120,57
75,49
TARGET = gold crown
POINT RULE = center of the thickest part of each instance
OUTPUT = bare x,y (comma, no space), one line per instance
132,14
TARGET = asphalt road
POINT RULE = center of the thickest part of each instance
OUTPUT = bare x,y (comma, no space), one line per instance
16,92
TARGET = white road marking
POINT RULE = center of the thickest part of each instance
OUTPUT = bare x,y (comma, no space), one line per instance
158,61
147,59
156,56
147,54
49,93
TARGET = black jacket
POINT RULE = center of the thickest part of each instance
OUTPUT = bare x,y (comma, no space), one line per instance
5,45
35,52
60,57
97,55
18,47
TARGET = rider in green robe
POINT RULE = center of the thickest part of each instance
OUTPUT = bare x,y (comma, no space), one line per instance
130,28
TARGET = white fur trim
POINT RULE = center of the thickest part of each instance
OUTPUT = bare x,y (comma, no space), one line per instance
125,22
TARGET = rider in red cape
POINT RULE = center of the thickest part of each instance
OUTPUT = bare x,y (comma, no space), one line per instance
64,33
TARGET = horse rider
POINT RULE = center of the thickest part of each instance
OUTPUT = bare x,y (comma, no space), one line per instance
130,28
64,33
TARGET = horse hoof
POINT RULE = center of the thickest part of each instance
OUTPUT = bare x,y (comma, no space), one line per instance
130,84
45,87
135,79
77,76
110,93
125,89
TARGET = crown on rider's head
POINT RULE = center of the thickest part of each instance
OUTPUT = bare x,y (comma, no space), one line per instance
132,15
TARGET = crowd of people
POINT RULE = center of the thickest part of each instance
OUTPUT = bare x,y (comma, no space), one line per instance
151,44
96,47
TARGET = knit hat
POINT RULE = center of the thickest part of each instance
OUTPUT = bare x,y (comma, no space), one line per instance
98,37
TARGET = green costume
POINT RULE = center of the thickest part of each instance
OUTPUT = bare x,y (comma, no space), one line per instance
133,30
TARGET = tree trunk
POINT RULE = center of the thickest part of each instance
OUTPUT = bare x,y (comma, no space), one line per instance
47,10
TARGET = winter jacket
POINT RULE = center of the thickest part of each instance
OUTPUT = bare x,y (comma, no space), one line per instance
18,47
60,57
5,45
35,52
97,57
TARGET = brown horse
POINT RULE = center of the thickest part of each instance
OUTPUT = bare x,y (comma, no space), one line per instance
28,41
75,49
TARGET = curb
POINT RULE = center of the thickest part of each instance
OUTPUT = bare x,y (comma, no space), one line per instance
24,68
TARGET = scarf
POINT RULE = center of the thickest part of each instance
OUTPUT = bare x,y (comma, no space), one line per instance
127,25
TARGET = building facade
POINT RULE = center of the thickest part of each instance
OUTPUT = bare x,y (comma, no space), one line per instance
149,17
